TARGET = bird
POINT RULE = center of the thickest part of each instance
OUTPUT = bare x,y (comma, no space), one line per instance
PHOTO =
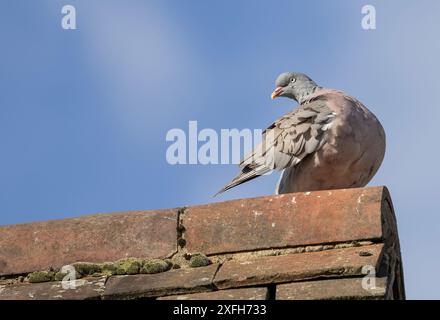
329,141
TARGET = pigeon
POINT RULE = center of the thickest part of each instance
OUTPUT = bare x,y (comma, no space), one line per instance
329,141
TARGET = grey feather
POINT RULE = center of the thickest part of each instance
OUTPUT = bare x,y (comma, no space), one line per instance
286,142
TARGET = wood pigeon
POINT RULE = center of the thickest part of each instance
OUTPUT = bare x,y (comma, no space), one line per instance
330,141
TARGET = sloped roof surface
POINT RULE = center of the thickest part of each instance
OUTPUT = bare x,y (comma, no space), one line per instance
313,245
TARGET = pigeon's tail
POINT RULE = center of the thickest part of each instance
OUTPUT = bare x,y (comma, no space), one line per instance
245,175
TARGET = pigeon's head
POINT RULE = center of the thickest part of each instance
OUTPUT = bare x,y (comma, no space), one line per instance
294,85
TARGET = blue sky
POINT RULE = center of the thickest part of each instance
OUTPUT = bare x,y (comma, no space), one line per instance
84,113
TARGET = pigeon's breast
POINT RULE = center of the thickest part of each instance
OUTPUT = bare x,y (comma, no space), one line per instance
352,150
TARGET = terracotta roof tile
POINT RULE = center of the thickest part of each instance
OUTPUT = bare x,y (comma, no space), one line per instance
98,238
312,245
299,266
259,293
348,288
166,283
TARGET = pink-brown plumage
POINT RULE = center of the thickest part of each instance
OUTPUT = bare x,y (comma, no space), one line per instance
330,141
352,151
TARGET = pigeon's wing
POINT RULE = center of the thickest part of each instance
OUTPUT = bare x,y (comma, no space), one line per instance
286,142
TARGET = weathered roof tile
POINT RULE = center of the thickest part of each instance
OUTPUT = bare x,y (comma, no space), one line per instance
259,293
299,266
312,245
349,288
287,220
166,283
81,289
98,238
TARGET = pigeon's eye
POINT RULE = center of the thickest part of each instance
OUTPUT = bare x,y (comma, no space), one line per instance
292,80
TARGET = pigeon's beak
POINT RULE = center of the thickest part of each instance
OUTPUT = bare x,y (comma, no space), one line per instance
276,93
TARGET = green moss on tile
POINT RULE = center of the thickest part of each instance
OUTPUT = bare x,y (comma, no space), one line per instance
59,276
199,260
128,266
86,268
155,266
109,268
41,276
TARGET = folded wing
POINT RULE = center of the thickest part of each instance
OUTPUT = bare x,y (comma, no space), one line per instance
286,142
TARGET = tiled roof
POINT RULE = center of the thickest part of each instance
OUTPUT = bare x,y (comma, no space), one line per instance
333,244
